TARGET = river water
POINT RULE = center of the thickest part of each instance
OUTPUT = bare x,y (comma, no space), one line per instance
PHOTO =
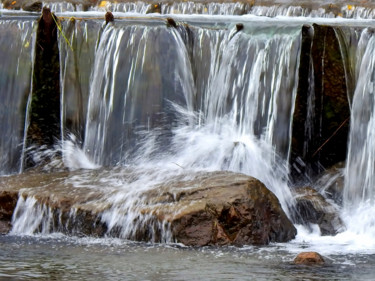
63,258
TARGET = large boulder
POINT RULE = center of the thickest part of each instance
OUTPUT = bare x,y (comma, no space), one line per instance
313,208
225,209
219,208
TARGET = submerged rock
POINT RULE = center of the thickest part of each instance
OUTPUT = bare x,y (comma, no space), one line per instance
331,183
309,258
312,207
219,208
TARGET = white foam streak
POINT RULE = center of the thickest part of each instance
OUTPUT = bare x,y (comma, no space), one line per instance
26,209
75,158
360,169
357,238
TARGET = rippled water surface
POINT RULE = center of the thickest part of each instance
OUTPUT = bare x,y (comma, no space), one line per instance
63,258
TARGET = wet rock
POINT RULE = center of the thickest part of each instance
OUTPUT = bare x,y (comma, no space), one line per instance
299,155
239,26
171,22
331,183
5,227
228,209
109,17
8,201
154,8
334,9
321,141
12,5
312,207
32,6
44,128
219,208
309,258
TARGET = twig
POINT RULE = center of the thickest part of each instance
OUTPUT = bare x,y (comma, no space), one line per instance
62,33
334,133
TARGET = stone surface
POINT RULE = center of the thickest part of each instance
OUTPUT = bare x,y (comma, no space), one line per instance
321,142
32,6
218,208
226,208
331,183
44,128
8,201
309,258
312,207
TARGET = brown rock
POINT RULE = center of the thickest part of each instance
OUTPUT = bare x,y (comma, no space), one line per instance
312,207
8,201
154,8
219,208
32,6
4,227
309,258
171,22
223,208
109,17
239,26
12,5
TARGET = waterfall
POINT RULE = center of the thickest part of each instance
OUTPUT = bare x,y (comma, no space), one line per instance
358,196
228,108
17,53
137,73
248,78
360,169
230,104
222,8
76,60
170,102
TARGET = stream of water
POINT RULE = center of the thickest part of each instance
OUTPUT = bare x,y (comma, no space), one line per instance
63,258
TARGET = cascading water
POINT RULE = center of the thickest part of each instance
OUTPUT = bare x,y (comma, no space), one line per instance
314,10
149,106
118,89
225,95
224,109
82,36
360,169
17,53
